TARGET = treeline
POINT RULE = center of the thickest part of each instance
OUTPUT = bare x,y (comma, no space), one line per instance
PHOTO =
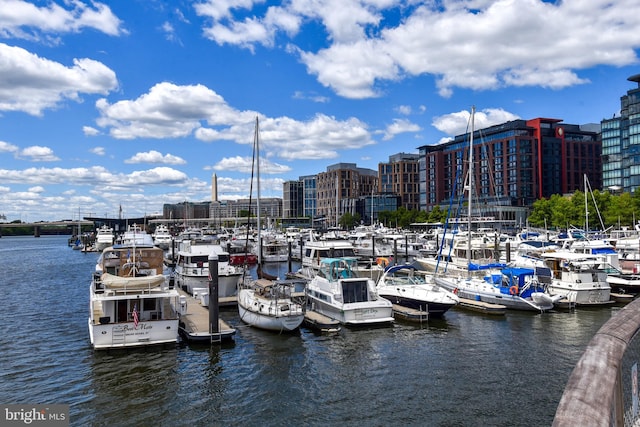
563,212
559,212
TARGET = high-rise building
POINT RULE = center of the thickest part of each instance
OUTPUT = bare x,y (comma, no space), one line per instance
401,176
621,144
515,163
340,183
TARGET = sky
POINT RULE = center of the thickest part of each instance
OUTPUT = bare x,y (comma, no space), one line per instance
137,103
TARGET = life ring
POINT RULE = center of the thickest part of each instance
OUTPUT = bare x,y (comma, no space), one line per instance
513,290
382,261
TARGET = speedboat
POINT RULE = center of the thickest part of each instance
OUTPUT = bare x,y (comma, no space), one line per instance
403,285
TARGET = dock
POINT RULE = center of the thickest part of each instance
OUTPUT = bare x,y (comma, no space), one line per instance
320,322
482,307
410,314
194,323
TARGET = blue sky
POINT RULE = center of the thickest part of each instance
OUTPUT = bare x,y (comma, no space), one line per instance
138,103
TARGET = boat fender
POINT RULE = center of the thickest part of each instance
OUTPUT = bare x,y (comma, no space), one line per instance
455,291
382,261
513,290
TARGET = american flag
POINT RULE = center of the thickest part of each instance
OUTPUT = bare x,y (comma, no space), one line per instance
135,315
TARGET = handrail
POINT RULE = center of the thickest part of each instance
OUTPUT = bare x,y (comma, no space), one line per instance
594,395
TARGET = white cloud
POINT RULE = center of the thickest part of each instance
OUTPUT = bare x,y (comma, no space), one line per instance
21,19
5,147
156,157
246,164
38,153
90,131
98,151
399,126
32,84
458,123
479,45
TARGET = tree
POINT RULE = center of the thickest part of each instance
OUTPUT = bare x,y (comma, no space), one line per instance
348,220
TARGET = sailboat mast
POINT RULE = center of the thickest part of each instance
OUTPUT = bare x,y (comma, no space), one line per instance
257,150
470,189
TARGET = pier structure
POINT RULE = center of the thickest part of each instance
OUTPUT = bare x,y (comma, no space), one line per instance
603,387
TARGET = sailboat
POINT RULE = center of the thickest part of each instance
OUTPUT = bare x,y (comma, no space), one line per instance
264,303
514,289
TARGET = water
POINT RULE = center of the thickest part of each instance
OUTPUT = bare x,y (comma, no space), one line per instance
465,369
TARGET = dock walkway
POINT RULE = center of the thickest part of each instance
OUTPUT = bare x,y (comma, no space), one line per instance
194,323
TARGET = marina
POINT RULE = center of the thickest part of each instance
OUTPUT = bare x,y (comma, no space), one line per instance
449,365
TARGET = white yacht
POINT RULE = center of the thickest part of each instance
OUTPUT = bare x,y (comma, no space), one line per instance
192,267
337,292
130,301
580,278
104,238
162,237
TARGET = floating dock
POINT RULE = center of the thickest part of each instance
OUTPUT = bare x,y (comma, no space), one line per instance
320,322
482,307
410,314
194,323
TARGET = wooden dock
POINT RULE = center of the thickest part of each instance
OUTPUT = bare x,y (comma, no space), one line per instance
320,322
194,324
410,314
482,307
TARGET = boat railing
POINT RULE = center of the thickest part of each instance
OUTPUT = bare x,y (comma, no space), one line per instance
603,387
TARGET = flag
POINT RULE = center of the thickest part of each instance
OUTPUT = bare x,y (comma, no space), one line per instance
135,315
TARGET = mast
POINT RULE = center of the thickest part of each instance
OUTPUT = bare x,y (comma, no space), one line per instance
470,189
256,139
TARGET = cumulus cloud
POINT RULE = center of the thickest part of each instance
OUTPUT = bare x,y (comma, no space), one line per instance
399,126
459,122
38,153
32,84
5,147
476,45
22,19
155,157
172,111
98,151
246,165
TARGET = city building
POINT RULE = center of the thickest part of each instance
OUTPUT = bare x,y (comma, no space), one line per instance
515,163
621,144
401,176
341,182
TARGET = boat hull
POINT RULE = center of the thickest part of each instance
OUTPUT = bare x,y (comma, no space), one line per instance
268,314
433,308
124,335
356,314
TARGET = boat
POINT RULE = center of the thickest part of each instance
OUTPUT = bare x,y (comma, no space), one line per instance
192,266
130,301
265,303
337,292
270,304
580,278
403,285
315,250
104,238
162,238
528,293
134,235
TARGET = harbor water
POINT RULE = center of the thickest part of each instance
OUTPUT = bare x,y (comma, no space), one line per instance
466,369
